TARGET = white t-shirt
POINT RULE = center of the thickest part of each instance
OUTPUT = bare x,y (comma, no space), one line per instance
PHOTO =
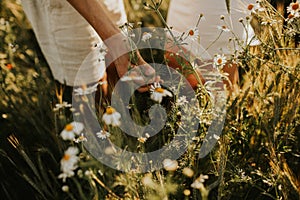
67,40
183,15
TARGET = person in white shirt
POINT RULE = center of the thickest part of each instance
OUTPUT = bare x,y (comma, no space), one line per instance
183,16
69,30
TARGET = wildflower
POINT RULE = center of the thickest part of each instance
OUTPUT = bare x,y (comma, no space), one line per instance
111,117
198,183
146,36
181,101
103,134
193,33
81,138
188,172
294,9
70,130
69,163
85,90
142,139
219,61
65,188
157,92
254,8
62,105
170,165
224,28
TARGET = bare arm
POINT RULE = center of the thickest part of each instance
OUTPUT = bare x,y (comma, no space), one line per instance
97,15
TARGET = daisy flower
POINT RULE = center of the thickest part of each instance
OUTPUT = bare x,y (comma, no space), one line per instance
157,92
193,33
224,28
85,90
294,9
103,134
64,104
111,117
254,8
70,130
146,36
219,61
81,138
68,163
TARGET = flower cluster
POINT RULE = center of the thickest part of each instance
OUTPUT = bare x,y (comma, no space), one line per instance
68,163
293,9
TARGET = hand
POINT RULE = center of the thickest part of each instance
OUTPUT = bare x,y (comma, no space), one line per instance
120,66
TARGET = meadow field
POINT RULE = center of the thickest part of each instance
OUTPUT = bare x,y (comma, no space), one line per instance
48,144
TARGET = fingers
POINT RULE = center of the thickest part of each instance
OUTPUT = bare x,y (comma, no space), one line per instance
142,75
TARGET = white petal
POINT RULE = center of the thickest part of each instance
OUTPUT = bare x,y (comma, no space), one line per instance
77,127
156,96
168,93
107,119
67,135
72,151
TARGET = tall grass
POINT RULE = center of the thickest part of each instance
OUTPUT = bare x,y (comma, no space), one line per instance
256,157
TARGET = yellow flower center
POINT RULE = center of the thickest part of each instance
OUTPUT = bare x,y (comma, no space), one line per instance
69,127
250,6
66,157
290,16
295,6
191,32
110,110
159,90
219,61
